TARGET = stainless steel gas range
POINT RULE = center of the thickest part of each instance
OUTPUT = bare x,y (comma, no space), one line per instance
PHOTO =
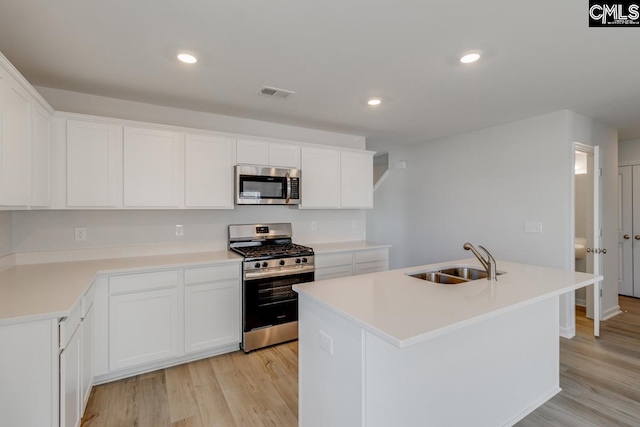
272,265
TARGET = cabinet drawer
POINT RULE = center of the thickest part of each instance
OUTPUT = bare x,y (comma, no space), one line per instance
375,255
211,274
332,260
143,281
69,324
371,267
333,272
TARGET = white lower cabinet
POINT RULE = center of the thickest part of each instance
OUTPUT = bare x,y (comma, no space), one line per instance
29,374
86,358
154,319
143,327
70,390
372,261
211,308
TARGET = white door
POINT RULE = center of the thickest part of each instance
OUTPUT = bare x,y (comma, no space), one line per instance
636,233
94,153
320,179
209,164
625,230
15,167
153,168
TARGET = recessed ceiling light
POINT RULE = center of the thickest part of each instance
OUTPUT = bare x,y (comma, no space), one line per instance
470,57
187,58
374,101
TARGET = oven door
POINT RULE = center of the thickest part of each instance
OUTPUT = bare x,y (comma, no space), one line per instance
271,301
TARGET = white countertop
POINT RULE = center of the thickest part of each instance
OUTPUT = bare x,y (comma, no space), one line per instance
323,248
47,291
404,310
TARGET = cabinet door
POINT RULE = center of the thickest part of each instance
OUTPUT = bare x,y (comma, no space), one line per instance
86,354
40,156
94,152
143,327
209,164
212,315
320,179
15,167
284,156
356,180
153,168
70,382
252,152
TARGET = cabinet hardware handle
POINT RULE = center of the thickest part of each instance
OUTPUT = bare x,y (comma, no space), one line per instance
588,250
626,237
604,251
637,237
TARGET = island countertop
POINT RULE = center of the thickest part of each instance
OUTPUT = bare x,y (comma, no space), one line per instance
404,310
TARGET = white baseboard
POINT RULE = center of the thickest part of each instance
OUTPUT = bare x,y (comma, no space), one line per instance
581,302
568,332
612,312
533,407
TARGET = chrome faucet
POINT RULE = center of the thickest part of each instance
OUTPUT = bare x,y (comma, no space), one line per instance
489,264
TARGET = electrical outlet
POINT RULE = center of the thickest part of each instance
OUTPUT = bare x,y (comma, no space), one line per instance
81,233
326,342
179,230
532,227
314,226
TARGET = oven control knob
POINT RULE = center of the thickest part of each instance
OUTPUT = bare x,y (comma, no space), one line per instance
257,265
265,264
297,260
281,262
304,260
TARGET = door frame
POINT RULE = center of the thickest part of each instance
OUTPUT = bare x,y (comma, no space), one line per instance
597,219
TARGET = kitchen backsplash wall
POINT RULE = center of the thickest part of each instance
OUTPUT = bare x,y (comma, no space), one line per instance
54,230
5,233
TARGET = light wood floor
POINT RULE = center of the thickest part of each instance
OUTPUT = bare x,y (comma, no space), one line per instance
600,379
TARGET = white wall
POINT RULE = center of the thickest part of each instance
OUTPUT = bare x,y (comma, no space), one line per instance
54,230
629,152
75,102
479,187
5,233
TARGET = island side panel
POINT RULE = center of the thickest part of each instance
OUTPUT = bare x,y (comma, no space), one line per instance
490,373
330,385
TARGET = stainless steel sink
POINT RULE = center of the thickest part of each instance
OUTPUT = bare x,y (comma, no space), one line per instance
452,275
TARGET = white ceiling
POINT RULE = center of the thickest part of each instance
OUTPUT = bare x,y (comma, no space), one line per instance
539,57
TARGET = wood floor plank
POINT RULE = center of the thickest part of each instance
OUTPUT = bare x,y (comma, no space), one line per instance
181,394
212,404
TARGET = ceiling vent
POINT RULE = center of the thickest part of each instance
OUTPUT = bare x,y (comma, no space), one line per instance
273,92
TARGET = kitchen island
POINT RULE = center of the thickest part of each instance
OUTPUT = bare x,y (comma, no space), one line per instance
388,349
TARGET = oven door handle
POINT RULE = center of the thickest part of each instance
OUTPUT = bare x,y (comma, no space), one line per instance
278,273
288,197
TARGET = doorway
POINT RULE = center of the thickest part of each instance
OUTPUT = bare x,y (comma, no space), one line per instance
587,230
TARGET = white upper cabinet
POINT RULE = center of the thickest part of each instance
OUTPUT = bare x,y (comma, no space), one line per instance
320,178
153,168
209,164
356,180
252,152
268,154
14,145
40,156
94,164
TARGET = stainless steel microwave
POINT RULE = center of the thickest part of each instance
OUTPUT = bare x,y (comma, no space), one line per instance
263,185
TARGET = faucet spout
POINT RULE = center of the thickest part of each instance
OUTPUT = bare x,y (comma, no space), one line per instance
489,264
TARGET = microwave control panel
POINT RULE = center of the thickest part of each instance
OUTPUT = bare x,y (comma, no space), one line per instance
295,188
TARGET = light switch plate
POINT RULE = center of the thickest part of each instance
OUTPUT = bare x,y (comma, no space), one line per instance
532,227
326,342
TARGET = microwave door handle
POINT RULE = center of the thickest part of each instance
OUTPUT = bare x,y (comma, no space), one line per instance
288,197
